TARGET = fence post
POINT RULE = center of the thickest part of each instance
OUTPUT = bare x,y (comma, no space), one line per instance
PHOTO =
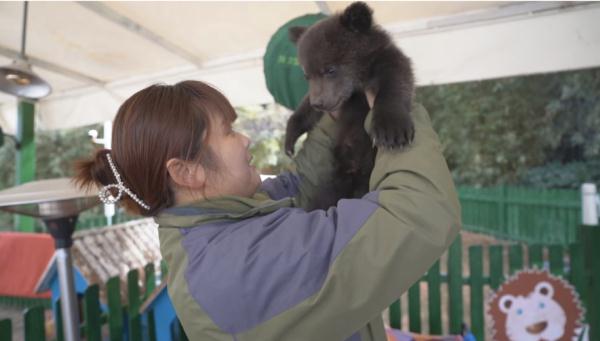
35,329
396,315
115,309
590,236
590,239
91,313
149,286
5,330
414,307
455,284
476,282
134,302
434,297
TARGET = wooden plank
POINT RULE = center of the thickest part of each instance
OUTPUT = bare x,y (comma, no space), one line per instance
164,270
536,258
590,237
496,266
455,283
58,324
150,279
515,256
91,313
556,259
414,308
151,325
435,300
35,328
577,274
115,309
476,282
5,330
134,302
396,315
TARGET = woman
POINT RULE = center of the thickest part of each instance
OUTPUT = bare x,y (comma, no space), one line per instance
246,261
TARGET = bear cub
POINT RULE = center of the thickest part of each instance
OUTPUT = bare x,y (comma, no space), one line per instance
343,56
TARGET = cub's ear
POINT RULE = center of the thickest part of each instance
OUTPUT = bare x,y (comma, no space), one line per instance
295,32
357,17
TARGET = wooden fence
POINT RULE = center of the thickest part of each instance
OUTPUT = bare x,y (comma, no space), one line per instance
499,262
483,270
120,322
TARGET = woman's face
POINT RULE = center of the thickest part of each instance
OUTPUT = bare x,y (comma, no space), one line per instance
235,175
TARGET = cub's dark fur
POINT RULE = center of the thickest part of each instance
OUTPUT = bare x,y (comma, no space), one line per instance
342,57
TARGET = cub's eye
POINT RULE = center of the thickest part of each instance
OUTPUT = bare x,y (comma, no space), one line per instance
519,311
329,71
541,305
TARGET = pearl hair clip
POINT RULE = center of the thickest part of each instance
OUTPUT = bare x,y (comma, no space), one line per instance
107,198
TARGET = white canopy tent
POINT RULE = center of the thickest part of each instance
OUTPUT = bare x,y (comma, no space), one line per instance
96,54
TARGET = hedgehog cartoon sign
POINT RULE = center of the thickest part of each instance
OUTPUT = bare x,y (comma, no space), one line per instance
533,305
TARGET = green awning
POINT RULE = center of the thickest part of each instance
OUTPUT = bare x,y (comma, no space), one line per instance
284,77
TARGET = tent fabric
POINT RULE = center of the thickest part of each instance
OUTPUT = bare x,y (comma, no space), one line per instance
23,259
448,42
283,75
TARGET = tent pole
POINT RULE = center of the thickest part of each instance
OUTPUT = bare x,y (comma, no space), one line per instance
25,156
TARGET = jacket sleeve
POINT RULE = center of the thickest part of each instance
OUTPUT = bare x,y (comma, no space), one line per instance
360,256
313,166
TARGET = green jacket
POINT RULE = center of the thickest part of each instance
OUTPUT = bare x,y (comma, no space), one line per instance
263,268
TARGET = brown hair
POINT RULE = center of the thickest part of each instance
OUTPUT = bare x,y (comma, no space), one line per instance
154,125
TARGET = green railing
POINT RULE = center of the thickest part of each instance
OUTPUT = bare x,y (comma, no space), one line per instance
486,269
569,262
522,214
518,214
117,320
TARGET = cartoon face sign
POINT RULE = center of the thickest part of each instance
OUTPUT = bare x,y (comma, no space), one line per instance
534,305
534,317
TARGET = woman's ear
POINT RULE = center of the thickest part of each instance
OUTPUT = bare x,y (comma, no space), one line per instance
186,174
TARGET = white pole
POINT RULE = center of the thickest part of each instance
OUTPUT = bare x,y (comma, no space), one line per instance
589,204
109,210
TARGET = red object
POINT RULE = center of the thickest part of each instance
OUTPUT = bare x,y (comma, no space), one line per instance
23,259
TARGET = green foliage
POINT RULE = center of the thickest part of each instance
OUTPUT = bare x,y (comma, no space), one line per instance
494,131
55,152
557,175
265,125
541,131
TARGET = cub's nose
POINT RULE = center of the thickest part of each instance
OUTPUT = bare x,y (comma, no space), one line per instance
317,104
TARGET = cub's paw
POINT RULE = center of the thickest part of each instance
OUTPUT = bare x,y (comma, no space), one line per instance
392,131
290,142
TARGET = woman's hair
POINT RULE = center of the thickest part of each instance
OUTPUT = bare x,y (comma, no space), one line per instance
154,125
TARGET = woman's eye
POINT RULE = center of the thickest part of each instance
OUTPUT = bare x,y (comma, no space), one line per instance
330,71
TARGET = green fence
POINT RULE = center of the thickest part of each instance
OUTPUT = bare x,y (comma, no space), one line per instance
519,214
500,261
119,322
522,214
487,268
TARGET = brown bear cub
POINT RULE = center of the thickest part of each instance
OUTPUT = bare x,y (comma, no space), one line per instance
342,57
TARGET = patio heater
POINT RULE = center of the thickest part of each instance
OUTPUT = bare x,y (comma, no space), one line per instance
58,203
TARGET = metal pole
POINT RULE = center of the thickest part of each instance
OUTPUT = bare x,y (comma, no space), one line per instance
68,303
589,204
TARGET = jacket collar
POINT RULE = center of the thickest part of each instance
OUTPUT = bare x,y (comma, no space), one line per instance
219,209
